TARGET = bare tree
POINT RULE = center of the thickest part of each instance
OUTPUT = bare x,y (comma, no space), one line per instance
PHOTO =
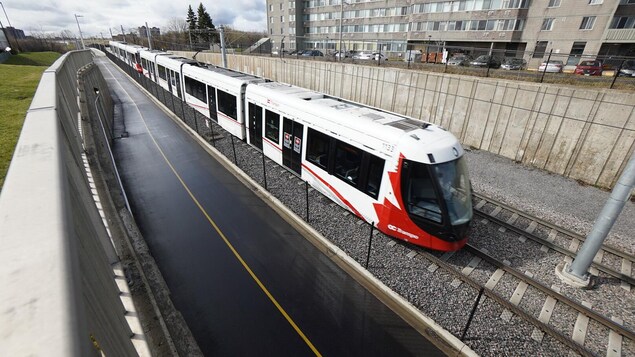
177,25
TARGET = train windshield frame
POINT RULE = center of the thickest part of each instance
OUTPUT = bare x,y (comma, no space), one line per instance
437,193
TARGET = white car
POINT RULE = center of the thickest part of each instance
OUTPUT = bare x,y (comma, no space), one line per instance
552,67
369,55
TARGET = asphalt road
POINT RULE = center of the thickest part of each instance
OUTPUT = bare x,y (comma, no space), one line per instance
246,282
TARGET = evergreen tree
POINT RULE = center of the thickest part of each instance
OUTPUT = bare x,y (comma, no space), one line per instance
204,24
192,22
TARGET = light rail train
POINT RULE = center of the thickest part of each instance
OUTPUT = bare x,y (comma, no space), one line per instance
406,177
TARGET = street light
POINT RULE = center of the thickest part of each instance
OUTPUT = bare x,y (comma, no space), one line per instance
80,30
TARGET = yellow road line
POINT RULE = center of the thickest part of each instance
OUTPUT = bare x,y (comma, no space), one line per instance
229,245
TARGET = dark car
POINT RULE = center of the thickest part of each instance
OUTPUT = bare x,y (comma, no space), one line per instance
514,64
589,68
486,61
628,69
312,53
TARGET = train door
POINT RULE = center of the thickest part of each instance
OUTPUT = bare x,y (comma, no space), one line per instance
255,125
292,145
211,94
169,79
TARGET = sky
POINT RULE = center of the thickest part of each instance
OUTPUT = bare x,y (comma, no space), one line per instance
99,16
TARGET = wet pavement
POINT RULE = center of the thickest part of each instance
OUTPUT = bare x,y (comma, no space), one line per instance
246,282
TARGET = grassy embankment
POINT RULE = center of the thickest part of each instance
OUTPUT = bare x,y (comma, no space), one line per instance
20,76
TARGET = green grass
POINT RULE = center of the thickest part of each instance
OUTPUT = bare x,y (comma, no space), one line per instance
17,87
33,59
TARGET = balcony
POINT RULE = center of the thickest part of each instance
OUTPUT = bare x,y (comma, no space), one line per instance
620,35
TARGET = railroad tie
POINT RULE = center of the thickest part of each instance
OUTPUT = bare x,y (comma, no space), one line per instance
511,220
626,270
532,227
467,270
580,327
480,204
518,294
614,348
551,238
545,314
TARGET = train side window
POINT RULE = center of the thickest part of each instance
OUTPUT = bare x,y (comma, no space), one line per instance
348,160
227,104
318,148
272,126
162,73
375,172
195,89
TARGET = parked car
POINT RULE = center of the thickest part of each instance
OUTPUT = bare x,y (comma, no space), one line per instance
589,68
345,54
486,61
312,53
551,67
514,64
628,69
369,56
459,59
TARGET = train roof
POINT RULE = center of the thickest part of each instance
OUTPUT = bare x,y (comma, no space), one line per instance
174,62
363,124
219,73
344,112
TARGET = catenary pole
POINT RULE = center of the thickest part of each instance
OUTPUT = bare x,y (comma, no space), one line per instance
149,36
576,274
222,45
81,36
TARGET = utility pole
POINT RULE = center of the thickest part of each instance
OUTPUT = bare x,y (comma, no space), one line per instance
123,34
80,31
111,36
149,36
222,45
576,273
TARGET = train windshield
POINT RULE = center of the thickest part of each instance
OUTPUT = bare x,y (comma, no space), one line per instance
428,188
455,189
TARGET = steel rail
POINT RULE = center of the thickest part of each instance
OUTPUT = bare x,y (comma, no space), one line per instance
548,291
581,238
506,303
599,266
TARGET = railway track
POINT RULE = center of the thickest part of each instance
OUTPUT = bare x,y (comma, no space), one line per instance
588,321
558,239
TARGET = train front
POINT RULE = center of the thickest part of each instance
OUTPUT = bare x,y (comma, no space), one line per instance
432,191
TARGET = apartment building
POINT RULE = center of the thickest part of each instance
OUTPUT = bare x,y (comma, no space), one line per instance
515,28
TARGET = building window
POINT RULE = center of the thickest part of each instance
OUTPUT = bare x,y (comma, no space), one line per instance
547,24
595,2
554,3
280,6
270,7
541,47
622,22
576,51
281,18
291,18
587,23
271,19
291,4
627,2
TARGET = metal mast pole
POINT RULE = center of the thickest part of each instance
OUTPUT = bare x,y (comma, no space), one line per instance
123,34
222,45
576,274
5,14
80,30
149,37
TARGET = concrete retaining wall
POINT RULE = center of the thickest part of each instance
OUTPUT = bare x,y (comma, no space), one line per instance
585,134
58,292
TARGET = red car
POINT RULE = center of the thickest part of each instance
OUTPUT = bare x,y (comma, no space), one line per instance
589,68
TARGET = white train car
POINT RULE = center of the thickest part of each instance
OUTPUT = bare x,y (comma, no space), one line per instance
218,94
149,63
169,72
406,177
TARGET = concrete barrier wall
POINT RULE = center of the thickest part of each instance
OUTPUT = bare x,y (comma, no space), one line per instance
58,292
585,134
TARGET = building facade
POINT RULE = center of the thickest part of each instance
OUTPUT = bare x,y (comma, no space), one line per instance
511,28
